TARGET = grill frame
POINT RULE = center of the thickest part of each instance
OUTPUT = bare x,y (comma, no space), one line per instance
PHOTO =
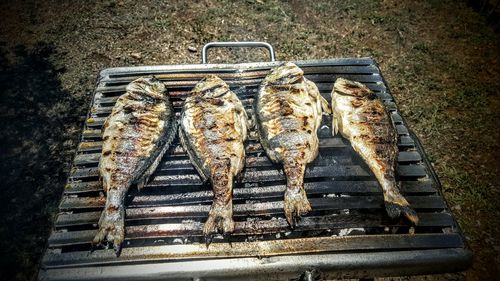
349,262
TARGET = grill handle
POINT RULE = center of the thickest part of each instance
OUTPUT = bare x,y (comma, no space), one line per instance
248,44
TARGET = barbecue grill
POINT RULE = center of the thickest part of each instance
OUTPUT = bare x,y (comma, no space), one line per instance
348,233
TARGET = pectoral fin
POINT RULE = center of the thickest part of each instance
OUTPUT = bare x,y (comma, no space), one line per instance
325,106
335,124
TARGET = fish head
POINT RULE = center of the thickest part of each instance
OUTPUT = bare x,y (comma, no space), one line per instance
352,88
210,87
147,88
285,74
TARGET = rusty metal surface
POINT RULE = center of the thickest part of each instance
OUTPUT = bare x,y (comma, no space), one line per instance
259,248
164,220
266,268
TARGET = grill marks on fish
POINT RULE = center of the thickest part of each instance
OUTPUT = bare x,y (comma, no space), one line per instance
360,117
214,125
135,136
289,110
213,130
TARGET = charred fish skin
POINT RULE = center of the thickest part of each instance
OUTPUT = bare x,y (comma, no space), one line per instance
360,117
213,130
135,136
289,110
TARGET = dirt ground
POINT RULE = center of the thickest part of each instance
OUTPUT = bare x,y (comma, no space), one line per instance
440,59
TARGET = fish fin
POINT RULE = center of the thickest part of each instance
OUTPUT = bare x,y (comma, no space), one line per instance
208,240
141,183
296,203
102,179
220,219
111,227
335,125
118,249
265,142
395,211
166,141
192,155
397,206
325,105
313,91
172,127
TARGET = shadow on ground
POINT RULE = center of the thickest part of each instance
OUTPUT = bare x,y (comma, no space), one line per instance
36,121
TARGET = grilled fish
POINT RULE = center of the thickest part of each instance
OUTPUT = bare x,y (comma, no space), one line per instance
213,129
135,137
289,111
360,117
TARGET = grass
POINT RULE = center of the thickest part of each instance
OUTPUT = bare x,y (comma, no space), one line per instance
162,23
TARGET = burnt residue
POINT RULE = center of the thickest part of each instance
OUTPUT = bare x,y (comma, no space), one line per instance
39,125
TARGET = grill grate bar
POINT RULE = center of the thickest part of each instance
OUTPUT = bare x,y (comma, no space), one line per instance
235,80
91,218
279,225
311,73
190,177
260,248
251,161
252,209
180,193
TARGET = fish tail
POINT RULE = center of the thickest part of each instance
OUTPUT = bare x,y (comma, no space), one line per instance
395,203
220,216
111,223
296,203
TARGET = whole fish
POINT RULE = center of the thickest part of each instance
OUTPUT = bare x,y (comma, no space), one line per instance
360,117
289,111
213,129
135,137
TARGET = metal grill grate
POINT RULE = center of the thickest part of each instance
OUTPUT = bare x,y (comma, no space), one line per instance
164,221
